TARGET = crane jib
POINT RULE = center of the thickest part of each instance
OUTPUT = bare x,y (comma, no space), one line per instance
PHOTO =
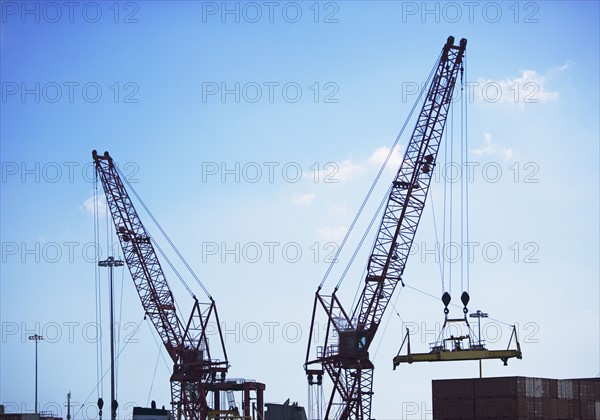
347,361
195,371
408,194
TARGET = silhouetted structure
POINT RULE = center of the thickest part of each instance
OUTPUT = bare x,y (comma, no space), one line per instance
141,413
285,411
516,397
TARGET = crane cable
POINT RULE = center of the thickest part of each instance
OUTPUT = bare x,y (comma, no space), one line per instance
110,232
160,347
170,243
160,250
110,250
360,286
362,240
451,304
466,151
448,200
98,299
444,216
99,382
437,241
118,334
462,185
387,323
376,180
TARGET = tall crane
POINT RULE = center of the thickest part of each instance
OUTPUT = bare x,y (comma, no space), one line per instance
195,371
347,361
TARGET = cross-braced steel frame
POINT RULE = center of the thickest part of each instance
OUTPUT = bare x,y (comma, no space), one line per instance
187,345
347,363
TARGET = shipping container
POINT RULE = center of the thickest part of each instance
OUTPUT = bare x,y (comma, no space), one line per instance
545,388
576,409
550,408
553,388
453,409
587,410
536,387
517,398
534,408
575,389
512,407
509,386
452,388
562,409
565,389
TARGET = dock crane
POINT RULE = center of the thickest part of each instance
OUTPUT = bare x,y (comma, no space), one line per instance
347,361
196,372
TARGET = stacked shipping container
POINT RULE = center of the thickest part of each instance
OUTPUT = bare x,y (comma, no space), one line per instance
516,398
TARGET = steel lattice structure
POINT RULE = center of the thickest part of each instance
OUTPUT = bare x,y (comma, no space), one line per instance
347,362
194,368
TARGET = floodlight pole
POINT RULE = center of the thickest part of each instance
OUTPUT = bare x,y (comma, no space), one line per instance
36,338
479,315
110,262
69,406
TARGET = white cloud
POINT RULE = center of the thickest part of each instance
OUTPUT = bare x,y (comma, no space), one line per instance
491,149
529,87
88,205
347,170
301,199
332,234
378,157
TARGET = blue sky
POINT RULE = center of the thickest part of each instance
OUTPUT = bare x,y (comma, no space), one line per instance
256,186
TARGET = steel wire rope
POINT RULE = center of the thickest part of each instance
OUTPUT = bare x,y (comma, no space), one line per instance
98,384
98,290
372,187
171,244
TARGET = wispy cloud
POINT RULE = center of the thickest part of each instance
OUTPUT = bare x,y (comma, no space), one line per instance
489,148
88,205
302,199
348,169
530,87
380,154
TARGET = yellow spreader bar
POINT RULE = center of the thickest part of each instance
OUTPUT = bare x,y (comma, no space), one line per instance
447,356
